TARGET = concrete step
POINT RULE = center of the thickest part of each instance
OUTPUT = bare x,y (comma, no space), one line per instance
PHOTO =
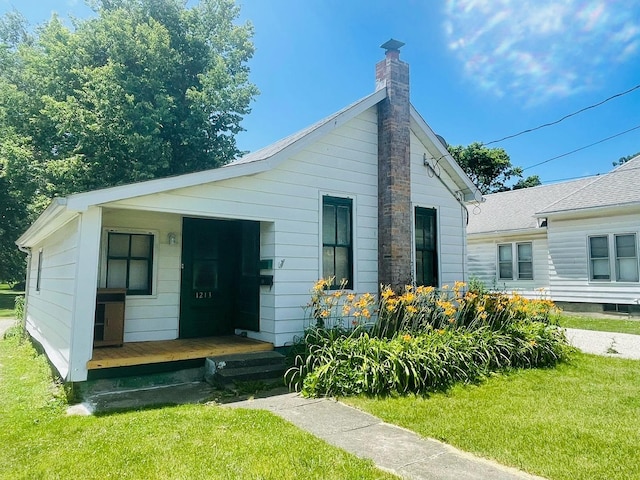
259,366
138,382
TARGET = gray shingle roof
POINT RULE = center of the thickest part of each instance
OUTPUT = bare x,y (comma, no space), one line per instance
271,150
516,209
618,187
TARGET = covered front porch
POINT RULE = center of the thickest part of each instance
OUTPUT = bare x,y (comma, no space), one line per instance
146,353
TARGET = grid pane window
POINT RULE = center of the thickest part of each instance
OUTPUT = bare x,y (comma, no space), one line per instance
130,262
337,241
626,258
599,258
426,251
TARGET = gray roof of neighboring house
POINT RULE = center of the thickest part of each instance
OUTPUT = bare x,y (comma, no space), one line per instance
618,187
516,209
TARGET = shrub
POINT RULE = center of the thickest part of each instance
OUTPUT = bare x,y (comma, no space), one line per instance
422,340
18,330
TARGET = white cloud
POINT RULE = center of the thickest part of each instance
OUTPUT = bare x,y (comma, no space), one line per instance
540,49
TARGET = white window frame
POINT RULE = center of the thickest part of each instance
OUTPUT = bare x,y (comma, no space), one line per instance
516,274
499,261
612,259
155,256
618,258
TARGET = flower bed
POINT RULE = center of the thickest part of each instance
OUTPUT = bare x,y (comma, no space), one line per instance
419,341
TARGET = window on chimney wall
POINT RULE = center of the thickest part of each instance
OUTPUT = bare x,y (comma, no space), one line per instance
426,247
337,242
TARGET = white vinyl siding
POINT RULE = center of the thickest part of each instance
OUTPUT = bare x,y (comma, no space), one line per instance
50,310
429,190
149,317
483,261
285,200
570,266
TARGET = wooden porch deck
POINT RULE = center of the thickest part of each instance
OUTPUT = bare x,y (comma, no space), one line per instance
142,353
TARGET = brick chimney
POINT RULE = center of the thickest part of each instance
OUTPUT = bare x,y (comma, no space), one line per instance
394,171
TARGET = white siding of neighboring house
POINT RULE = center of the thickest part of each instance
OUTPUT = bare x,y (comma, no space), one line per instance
428,191
287,201
482,260
569,260
50,310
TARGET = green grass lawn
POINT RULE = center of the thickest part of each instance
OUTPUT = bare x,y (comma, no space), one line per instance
601,324
578,421
185,442
7,297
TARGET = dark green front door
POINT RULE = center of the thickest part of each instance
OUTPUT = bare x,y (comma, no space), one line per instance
218,292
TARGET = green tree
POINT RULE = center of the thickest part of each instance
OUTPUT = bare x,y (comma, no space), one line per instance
489,168
145,89
532,181
623,160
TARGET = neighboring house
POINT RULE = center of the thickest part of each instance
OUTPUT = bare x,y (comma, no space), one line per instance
574,242
236,250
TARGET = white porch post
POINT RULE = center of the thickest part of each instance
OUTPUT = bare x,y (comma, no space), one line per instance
90,228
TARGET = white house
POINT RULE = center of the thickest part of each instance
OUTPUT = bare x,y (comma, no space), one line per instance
575,242
230,254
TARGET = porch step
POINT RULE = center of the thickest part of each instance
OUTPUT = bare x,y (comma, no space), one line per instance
226,369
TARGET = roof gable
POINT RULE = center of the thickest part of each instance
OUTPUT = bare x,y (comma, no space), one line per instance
257,162
250,164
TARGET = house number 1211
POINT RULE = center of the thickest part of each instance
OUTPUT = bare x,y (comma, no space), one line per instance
203,295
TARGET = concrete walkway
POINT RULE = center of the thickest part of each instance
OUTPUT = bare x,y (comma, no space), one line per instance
391,448
6,324
405,453
621,345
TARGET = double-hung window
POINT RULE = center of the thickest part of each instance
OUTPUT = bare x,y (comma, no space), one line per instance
599,258
426,247
626,258
130,262
625,254
515,261
337,240
505,262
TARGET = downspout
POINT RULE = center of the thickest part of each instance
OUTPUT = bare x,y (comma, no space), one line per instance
27,282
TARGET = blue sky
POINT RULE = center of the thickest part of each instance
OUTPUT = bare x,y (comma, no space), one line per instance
480,70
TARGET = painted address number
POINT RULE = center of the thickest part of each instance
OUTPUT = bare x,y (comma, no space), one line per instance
203,294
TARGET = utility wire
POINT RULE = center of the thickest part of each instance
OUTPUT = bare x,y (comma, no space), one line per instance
565,117
582,148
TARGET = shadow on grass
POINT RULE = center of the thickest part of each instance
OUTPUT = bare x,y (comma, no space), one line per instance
7,301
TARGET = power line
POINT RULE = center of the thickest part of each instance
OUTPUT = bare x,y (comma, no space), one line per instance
582,148
565,117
